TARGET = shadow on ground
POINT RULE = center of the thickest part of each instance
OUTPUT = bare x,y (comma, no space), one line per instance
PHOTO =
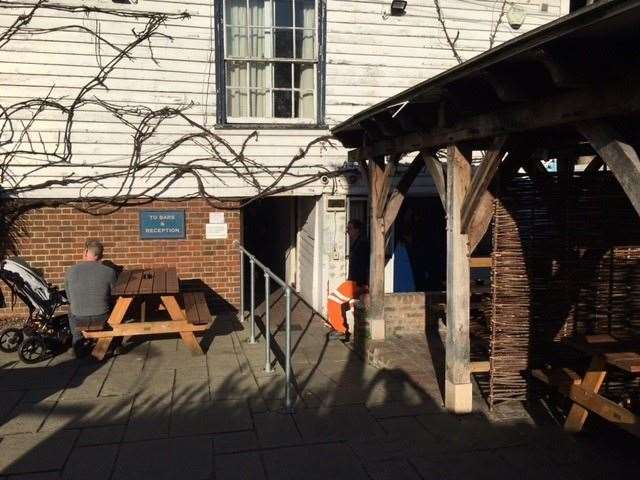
158,412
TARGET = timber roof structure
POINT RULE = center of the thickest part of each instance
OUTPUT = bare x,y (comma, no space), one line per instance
580,67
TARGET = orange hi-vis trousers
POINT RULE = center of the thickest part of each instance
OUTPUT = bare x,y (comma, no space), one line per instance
339,302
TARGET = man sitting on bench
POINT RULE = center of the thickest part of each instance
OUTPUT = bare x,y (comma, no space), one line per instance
88,285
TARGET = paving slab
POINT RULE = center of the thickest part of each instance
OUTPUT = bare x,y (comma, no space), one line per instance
101,435
150,418
276,429
94,462
88,413
339,423
26,418
186,457
235,442
314,462
392,470
35,452
239,466
210,417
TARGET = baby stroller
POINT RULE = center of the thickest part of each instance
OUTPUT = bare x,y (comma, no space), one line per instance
44,333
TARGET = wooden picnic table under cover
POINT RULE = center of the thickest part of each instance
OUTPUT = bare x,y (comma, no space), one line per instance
159,282
605,350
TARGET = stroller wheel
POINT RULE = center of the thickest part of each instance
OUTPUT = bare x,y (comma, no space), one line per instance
10,339
33,350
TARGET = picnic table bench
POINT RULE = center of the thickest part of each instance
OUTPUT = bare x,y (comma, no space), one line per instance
144,285
605,350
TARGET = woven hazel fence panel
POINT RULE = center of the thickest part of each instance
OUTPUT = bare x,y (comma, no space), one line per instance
564,262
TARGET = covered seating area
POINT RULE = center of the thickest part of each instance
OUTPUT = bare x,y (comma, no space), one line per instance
541,139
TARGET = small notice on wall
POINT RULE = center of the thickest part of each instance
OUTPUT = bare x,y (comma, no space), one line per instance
157,224
216,231
216,217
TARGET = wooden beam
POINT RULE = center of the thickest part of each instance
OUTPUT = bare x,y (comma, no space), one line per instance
145,328
480,262
396,198
618,98
621,158
436,170
482,366
591,381
389,172
458,390
560,75
481,180
594,165
504,87
377,261
483,214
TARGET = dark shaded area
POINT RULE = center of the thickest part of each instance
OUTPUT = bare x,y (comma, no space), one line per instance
567,263
420,246
266,234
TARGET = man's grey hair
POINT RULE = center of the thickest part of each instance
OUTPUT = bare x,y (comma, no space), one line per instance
95,247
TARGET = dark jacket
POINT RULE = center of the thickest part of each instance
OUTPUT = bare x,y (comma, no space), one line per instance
359,261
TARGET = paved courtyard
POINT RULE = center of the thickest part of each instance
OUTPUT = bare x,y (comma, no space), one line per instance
155,411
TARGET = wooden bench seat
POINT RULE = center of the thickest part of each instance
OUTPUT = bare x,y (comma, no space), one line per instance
557,377
147,328
196,308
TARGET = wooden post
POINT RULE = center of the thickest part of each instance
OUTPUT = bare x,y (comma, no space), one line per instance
458,389
375,314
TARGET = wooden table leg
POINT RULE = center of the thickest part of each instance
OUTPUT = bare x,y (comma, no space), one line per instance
116,317
171,304
591,382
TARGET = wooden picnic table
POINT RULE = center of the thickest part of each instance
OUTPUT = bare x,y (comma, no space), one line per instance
605,351
150,283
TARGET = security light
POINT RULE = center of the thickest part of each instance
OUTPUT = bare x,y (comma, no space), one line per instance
516,15
398,7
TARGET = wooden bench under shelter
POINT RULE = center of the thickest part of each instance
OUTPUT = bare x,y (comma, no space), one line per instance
144,285
606,351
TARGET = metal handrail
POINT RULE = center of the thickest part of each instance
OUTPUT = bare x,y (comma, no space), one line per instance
268,277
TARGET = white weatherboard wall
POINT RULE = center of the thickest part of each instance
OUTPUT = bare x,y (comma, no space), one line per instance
369,56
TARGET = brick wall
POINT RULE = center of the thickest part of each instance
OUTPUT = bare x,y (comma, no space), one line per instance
406,313
55,240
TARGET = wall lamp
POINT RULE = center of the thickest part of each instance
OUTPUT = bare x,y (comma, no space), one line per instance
516,15
398,7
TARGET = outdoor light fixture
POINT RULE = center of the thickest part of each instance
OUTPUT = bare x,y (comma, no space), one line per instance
516,15
398,7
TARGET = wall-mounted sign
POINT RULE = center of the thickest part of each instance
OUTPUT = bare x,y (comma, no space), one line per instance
216,217
216,231
157,224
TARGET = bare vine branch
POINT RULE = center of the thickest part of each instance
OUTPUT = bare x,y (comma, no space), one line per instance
451,41
148,174
494,32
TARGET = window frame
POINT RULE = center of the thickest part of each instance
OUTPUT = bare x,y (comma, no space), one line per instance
316,121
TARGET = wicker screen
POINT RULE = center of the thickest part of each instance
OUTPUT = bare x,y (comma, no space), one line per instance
565,261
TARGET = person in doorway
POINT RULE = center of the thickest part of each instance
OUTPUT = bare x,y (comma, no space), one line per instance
345,297
88,286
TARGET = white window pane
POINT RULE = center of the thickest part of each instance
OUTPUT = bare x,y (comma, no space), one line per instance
304,104
257,42
282,75
236,41
305,44
303,76
236,102
258,74
256,13
235,12
305,13
283,15
257,103
282,104
284,43
236,73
